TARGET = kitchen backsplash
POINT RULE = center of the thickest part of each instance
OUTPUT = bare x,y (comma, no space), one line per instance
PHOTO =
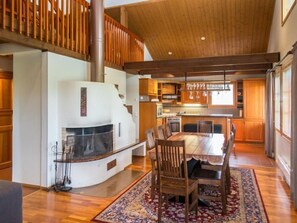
201,110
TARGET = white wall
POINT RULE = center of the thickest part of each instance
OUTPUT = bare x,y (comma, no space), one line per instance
58,68
116,77
281,40
282,37
27,72
133,98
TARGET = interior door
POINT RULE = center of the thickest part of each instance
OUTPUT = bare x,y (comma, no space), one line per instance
6,126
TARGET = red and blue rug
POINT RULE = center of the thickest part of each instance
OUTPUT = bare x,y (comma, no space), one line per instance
244,204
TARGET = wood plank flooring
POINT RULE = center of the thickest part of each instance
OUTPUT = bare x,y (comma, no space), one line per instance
43,207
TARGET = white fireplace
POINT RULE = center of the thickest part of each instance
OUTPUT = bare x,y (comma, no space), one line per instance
88,112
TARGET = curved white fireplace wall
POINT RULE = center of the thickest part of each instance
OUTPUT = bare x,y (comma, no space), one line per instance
103,106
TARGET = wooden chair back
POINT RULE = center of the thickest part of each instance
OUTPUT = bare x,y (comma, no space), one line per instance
173,175
205,126
169,159
150,138
168,131
227,153
233,129
161,132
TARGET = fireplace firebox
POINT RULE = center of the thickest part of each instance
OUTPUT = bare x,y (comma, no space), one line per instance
90,141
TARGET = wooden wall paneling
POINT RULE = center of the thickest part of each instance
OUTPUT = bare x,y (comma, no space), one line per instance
5,125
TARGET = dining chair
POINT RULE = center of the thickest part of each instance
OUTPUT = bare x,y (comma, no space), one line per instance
168,131
233,130
150,144
150,139
173,176
205,126
161,132
218,177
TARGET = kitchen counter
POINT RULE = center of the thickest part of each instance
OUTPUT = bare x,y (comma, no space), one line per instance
208,115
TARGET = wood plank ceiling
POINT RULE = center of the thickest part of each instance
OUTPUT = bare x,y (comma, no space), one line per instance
230,27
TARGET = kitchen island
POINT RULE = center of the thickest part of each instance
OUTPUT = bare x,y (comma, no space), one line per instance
220,119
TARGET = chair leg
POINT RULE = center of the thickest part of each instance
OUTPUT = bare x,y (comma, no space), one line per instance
186,208
224,197
228,179
160,207
153,180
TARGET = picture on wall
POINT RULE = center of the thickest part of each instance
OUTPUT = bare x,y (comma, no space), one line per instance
287,7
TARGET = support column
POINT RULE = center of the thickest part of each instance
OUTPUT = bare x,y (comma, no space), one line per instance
97,40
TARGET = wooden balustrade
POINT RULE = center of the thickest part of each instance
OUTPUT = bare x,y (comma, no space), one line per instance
64,24
121,45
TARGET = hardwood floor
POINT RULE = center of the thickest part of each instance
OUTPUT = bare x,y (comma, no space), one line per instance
42,206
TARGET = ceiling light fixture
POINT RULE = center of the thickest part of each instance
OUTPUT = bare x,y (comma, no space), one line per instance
169,53
203,38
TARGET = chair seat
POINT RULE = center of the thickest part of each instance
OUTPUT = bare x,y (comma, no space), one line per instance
206,174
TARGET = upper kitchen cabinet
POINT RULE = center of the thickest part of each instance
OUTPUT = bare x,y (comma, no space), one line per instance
193,94
148,86
169,92
254,99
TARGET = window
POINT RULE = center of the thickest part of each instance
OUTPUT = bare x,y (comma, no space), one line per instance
223,97
286,99
277,101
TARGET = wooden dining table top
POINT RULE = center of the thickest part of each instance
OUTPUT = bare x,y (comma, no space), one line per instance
200,146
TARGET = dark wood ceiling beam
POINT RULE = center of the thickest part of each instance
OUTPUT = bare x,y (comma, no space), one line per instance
135,67
243,67
260,72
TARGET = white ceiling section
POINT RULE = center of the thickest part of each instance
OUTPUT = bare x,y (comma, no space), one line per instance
116,3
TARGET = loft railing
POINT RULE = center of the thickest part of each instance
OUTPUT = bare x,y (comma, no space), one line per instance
64,24
121,45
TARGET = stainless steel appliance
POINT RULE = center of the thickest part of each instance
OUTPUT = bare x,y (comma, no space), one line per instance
159,108
175,123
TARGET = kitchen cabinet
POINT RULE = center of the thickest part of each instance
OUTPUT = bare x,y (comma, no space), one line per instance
239,96
169,92
148,118
251,128
254,99
148,86
254,130
239,125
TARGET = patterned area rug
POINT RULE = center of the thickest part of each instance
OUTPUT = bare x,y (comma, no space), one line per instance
135,205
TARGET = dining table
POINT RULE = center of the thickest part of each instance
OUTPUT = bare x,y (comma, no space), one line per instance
200,146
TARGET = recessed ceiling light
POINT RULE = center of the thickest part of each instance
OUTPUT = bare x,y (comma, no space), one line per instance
203,38
169,53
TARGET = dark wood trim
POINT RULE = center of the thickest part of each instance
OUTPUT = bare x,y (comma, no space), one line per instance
136,67
189,70
9,36
168,75
5,165
6,75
